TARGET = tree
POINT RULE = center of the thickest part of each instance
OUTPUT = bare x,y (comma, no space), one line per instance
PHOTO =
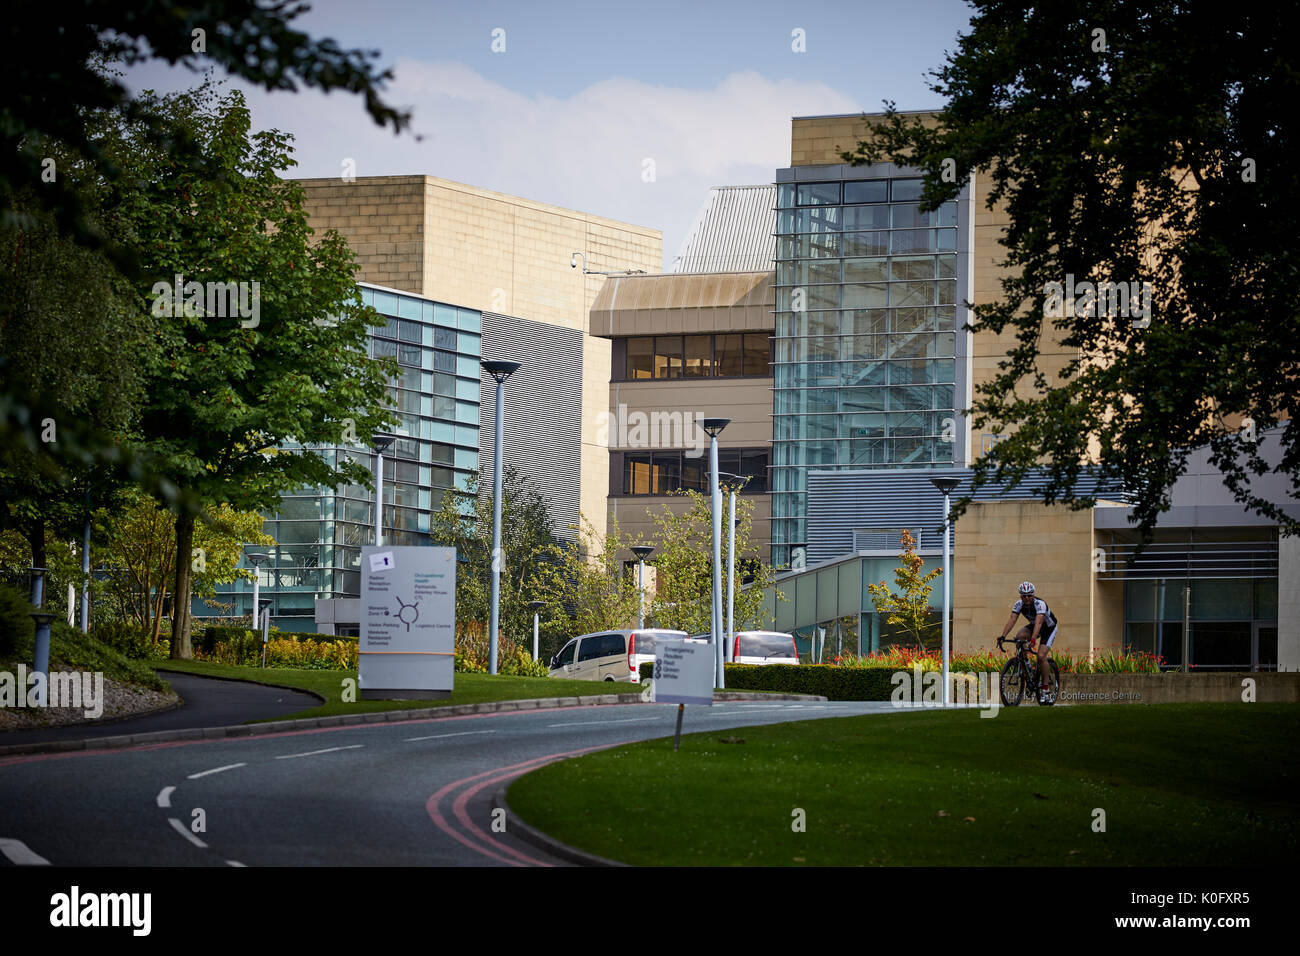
233,383
73,341
54,63
1129,142
464,521
908,607
683,565
584,584
140,553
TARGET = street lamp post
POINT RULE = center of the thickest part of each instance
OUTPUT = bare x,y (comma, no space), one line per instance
536,608
265,608
381,441
642,551
735,483
256,558
713,426
946,485
41,663
500,371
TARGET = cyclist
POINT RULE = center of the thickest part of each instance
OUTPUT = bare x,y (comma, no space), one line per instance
1042,627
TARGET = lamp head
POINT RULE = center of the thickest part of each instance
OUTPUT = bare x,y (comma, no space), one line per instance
498,369
945,485
381,441
642,551
256,558
714,425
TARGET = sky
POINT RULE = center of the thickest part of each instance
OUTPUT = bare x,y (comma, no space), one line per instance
629,110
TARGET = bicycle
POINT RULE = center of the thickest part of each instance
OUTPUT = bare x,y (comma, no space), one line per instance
1019,676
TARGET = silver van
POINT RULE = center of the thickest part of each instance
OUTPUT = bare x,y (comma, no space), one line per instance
610,655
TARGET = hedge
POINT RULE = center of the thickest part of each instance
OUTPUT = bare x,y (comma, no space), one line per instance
214,634
824,680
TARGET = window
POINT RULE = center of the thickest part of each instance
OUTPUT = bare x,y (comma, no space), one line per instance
640,358
819,194
663,472
444,339
757,353
730,355
699,357
668,356
876,190
727,355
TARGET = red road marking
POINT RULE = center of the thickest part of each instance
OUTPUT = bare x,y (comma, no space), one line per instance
487,845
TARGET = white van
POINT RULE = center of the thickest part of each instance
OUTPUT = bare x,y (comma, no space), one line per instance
610,655
764,647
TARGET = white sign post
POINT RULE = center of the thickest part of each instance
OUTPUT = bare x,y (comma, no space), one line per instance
683,675
408,623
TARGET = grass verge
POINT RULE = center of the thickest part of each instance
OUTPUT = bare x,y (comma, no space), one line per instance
470,688
1179,785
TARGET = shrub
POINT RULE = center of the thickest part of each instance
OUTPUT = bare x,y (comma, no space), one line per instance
244,648
473,655
128,638
17,629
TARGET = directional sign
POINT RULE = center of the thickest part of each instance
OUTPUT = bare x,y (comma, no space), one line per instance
684,673
408,623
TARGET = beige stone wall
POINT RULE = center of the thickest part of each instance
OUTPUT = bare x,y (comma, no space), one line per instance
478,248
382,219
999,544
819,140
497,253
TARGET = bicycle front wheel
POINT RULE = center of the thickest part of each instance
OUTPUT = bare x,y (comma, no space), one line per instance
1012,684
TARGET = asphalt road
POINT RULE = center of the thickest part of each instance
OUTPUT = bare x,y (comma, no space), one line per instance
409,794
207,702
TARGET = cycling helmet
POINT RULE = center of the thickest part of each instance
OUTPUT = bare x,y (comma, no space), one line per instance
1026,587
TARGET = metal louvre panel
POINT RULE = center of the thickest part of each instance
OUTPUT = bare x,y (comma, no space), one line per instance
1212,559
543,413
732,232
842,503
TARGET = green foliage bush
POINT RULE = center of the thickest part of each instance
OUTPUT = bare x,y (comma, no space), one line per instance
16,625
242,647
126,637
71,650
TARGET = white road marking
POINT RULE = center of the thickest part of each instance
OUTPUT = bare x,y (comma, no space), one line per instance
235,863
180,828
312,753
463,733
20,854
165,797
204,773
585,723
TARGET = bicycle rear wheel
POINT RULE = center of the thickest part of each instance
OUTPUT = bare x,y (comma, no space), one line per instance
1054,688
1012,683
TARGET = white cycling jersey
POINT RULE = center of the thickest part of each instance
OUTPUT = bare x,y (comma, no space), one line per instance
1030,611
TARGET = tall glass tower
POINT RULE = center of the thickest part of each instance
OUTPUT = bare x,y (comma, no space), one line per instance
869,364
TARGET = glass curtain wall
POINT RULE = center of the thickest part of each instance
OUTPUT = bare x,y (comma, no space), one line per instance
319,532
864,359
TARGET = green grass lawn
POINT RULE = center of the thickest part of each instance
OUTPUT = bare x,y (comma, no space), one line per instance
470,688
1180,784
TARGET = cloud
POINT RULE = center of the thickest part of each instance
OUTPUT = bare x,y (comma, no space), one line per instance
587,151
